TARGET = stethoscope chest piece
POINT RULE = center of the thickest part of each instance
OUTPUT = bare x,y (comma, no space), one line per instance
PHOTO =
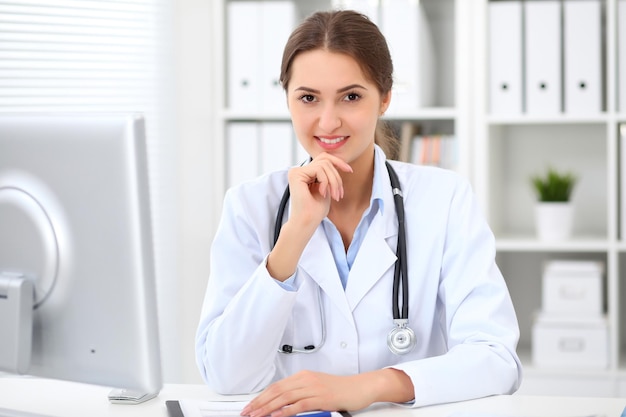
401,339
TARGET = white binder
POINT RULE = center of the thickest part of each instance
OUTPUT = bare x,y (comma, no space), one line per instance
542,34
277,22
406,29
621,55
242,149
582,57
277,146
243,55
505,57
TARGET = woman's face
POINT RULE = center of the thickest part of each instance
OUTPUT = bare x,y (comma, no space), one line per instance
334,107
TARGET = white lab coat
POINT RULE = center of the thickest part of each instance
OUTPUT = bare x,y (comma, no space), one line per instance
459,305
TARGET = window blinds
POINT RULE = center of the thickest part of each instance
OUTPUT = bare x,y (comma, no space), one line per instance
79,55
82,55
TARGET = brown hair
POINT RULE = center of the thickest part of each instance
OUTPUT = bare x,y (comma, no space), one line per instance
354,34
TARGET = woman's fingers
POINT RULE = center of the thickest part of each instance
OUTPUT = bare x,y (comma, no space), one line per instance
322,174
313,186
329,180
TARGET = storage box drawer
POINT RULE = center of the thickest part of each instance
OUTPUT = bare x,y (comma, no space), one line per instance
575,295
572,287
571,345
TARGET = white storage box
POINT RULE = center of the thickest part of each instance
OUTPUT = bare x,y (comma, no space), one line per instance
559,343
573,287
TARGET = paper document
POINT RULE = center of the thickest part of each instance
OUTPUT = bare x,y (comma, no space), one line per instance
199,408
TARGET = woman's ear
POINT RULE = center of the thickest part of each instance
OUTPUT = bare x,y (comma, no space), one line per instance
384,102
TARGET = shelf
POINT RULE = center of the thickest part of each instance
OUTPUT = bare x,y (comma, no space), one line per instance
621,246
560,119
531,244
276,116
427,113
540,371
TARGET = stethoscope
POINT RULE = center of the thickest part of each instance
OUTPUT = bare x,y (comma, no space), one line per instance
401,339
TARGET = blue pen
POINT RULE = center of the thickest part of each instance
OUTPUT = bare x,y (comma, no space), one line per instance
315,414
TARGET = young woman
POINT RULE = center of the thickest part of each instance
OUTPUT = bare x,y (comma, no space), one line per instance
309,305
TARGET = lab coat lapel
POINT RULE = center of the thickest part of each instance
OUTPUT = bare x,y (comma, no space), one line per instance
318,262
375,257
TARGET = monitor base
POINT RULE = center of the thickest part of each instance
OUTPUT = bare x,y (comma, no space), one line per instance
127,396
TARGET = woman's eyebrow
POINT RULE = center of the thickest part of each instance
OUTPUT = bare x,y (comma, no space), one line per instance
341,90
350,87
307,89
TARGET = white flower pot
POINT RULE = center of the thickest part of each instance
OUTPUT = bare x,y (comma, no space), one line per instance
554,220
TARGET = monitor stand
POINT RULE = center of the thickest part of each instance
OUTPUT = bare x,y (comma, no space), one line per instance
128,396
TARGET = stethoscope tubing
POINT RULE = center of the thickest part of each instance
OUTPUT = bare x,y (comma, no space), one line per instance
400,276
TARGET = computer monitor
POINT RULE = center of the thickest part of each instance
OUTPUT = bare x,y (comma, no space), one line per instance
75,222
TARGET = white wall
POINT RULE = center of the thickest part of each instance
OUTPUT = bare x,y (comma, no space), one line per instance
195,147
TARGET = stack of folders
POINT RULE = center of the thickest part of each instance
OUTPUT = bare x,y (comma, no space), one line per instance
545,57
571,330
256,34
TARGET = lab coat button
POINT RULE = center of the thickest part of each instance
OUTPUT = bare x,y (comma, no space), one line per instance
343,345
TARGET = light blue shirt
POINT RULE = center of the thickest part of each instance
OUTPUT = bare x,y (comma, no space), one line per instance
344,260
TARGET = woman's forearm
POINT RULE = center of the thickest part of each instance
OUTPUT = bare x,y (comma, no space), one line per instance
283,259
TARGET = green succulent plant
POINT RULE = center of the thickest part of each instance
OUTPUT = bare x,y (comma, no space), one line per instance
554,186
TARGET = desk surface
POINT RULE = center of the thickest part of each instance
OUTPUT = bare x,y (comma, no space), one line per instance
67,399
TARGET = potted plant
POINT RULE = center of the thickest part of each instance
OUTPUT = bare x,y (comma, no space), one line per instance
554,210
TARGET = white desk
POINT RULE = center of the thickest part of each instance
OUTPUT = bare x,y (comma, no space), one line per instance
66,399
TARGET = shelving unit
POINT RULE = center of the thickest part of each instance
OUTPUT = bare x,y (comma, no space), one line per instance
509,149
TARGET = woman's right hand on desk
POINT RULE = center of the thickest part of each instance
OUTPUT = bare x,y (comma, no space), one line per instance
307,391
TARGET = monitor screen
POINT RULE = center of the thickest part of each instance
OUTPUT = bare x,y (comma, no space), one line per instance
75,222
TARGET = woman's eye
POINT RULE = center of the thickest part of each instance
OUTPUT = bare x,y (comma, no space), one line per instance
352,97
307,98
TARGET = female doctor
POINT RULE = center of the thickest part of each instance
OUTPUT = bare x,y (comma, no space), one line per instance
350,304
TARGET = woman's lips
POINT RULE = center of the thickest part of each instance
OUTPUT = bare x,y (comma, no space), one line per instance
331,140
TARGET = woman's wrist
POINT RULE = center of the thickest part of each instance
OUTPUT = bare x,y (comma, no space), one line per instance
283,259
391,385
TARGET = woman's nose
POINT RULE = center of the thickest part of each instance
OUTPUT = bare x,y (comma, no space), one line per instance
330,119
